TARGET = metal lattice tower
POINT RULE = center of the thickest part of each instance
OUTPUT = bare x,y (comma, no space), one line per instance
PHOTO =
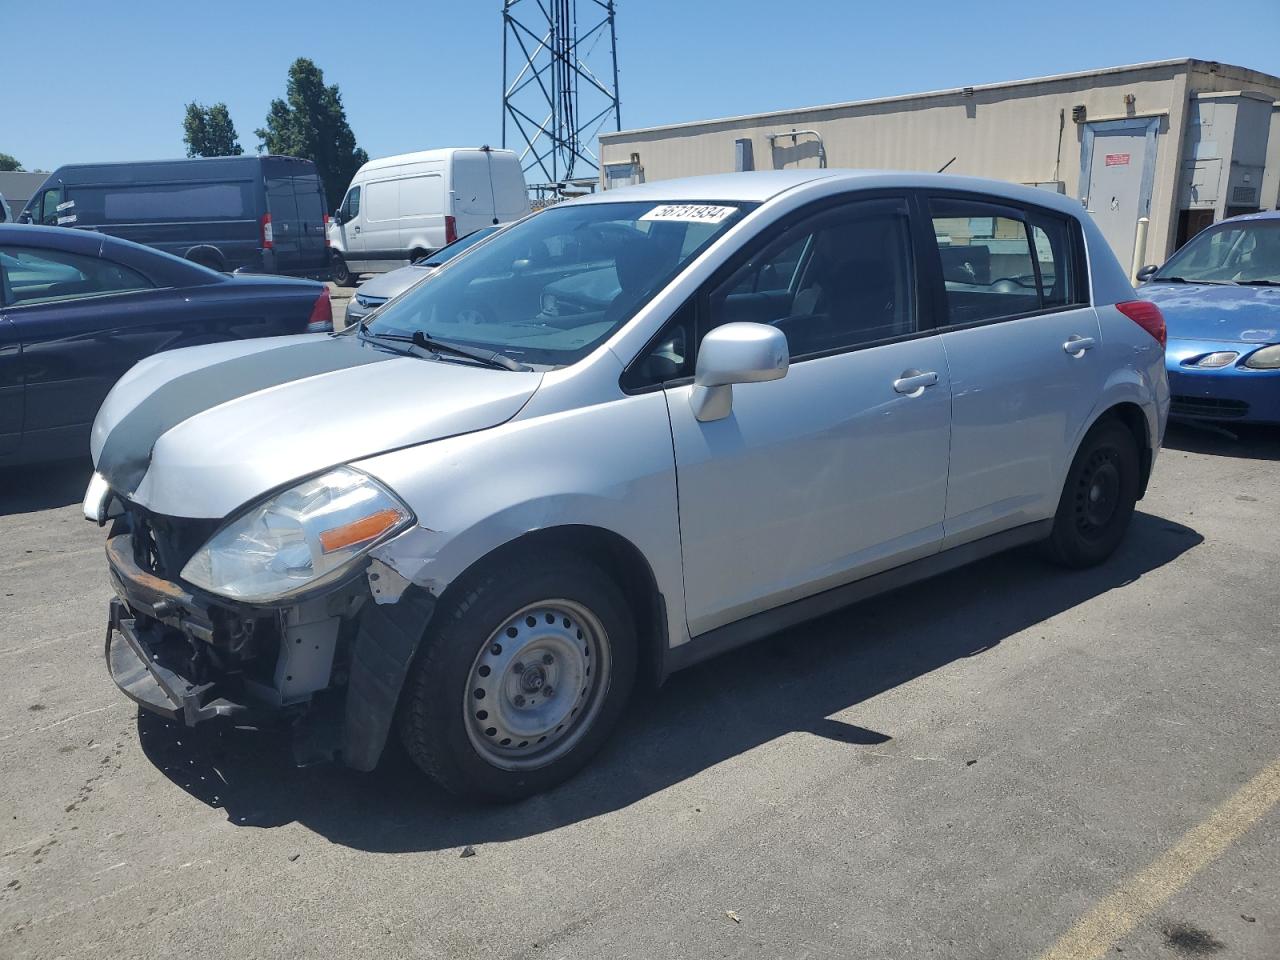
559,87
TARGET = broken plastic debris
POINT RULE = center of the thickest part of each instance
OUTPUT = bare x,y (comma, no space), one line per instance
733,916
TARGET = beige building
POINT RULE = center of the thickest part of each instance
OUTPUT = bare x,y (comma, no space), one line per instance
1181,142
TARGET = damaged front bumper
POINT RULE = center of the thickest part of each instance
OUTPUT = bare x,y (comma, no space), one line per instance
329,666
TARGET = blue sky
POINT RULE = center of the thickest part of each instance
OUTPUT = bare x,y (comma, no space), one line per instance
108,81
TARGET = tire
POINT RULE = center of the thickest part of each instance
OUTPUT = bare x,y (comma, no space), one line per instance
476,715
339,273
1098,498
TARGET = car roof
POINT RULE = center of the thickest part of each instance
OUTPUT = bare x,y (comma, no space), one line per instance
761,185
1260,215
156,264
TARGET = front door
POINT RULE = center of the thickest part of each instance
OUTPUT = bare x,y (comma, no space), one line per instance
11,391
82,322
839,469
1022,348
1117,159
350,231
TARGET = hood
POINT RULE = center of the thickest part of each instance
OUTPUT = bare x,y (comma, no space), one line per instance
387,285
1199,311
201,431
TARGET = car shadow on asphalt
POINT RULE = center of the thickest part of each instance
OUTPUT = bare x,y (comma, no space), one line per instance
1245,441
793,681
43,486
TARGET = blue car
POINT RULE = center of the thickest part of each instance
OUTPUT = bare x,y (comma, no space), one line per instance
1220,296
78,309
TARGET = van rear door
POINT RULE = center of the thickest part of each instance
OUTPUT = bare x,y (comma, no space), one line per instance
295,202
472,191
510,194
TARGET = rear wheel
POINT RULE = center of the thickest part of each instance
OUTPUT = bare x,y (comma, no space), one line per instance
520,681
1098,498
339,272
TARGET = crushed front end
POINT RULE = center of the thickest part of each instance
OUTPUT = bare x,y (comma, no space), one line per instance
327,664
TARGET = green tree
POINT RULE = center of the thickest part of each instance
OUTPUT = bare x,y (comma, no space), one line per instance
209,132
8,163
312,124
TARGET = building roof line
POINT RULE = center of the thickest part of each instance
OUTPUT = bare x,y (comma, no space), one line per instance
929,94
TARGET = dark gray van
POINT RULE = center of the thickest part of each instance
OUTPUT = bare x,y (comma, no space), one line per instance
256,214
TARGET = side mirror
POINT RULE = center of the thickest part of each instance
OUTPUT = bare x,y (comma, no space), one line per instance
1147,272
339,217
735,353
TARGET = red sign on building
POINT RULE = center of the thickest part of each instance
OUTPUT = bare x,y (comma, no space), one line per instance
1117,159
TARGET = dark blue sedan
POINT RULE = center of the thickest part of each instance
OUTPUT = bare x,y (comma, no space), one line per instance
1220,296
78,309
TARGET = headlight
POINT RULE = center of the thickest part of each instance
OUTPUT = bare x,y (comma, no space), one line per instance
1268,358
298,538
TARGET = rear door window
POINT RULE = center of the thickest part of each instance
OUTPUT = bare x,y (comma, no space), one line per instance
988,268
37,275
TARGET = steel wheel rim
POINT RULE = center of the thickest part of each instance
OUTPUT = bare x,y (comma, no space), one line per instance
1098,494
511,719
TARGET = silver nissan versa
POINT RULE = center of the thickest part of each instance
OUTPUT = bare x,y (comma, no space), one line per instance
770,394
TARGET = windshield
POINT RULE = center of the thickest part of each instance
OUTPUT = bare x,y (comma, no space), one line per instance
549,289
1232,253
453,249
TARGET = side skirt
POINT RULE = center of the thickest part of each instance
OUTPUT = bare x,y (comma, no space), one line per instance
760,625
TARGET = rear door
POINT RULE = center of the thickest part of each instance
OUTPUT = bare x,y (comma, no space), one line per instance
286,224
1021,344
472,191
313,247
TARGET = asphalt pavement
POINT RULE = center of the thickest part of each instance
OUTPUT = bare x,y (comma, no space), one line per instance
1010,761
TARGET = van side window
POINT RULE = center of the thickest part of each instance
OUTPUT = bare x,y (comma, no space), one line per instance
987,265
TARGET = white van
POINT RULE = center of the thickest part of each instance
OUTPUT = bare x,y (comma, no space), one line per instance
398,209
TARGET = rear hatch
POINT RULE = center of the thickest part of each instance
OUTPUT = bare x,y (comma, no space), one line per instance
296,203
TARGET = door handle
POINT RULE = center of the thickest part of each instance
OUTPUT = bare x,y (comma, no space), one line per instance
913,382
1076,345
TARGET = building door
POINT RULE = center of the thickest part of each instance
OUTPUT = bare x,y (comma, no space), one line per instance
1117,166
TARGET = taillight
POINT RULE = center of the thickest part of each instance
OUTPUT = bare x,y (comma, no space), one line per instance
321,319
326,231
450,229
1146,315
265,223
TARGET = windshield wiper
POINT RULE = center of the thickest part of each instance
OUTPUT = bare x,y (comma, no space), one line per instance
1216,283
1259,283
490,358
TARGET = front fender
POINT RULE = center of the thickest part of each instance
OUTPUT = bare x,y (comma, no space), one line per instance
608,466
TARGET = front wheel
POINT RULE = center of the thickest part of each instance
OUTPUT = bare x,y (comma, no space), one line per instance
1098,498
339,273
521,680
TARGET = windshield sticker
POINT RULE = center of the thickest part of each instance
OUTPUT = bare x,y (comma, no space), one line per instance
690,213
65,205
63,221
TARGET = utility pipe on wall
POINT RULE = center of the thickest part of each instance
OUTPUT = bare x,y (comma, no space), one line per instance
822,150
1139,248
